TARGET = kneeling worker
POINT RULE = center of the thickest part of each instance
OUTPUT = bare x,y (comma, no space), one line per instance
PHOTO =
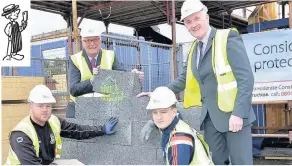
36,140
181,144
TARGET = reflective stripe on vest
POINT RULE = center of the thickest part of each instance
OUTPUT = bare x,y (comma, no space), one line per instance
201,154
226,82
107,60
227,85
27,127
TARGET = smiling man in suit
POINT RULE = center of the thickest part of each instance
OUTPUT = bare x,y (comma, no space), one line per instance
84,66
219,78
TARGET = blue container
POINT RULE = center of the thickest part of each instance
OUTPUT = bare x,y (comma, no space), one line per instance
260,113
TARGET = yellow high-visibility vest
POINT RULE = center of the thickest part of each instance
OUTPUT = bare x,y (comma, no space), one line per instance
27,127
107,60
227,85
201,154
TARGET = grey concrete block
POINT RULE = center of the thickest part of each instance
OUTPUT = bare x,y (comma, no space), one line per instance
69,149
133,155
191,116
139,111
121,137
282,152
159,157
96,153
137,88
132,108
153,141
92,108
118,83
123,109
72,120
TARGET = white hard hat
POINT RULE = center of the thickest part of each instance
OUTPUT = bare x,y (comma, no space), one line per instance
191,6
161,97
89,32
41,94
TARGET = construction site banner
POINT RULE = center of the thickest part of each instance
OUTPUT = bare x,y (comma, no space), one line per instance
270,55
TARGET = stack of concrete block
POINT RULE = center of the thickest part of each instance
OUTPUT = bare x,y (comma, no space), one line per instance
125,146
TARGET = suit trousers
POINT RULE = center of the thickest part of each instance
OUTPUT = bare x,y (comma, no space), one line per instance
236,146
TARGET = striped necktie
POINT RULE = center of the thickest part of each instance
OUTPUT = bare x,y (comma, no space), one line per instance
93,63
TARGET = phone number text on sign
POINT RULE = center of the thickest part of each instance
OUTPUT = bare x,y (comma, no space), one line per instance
272,91
286,93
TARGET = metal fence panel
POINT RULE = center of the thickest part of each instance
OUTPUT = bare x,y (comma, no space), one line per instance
153,58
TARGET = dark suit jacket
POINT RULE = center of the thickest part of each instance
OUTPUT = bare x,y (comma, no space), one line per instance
78,87
241,68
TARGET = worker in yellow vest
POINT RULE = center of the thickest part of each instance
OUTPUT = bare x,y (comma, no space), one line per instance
180,143
36,140
84,66
218,78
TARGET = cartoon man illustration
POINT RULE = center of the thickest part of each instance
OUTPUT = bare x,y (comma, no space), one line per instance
13,31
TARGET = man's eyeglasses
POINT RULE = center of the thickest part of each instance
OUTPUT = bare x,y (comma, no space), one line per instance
88,41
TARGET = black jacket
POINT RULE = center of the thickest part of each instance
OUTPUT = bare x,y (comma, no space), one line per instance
23,147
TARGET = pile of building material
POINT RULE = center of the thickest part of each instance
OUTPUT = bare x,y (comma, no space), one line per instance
15,91
125,146
277,153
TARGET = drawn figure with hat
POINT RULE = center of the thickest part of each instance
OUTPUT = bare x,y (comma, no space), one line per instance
13,31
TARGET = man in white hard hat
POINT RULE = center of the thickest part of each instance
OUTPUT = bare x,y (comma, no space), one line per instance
84,65
219,78
181,144
36,140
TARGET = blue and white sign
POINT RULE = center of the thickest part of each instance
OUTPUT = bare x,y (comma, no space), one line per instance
270,55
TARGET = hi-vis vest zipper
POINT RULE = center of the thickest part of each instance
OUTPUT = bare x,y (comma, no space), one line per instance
27,127
107,60
227,85
201,154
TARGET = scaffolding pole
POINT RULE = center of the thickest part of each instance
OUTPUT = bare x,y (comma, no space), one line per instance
290,14
69,26
106,23
75,25
289,136
173,23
